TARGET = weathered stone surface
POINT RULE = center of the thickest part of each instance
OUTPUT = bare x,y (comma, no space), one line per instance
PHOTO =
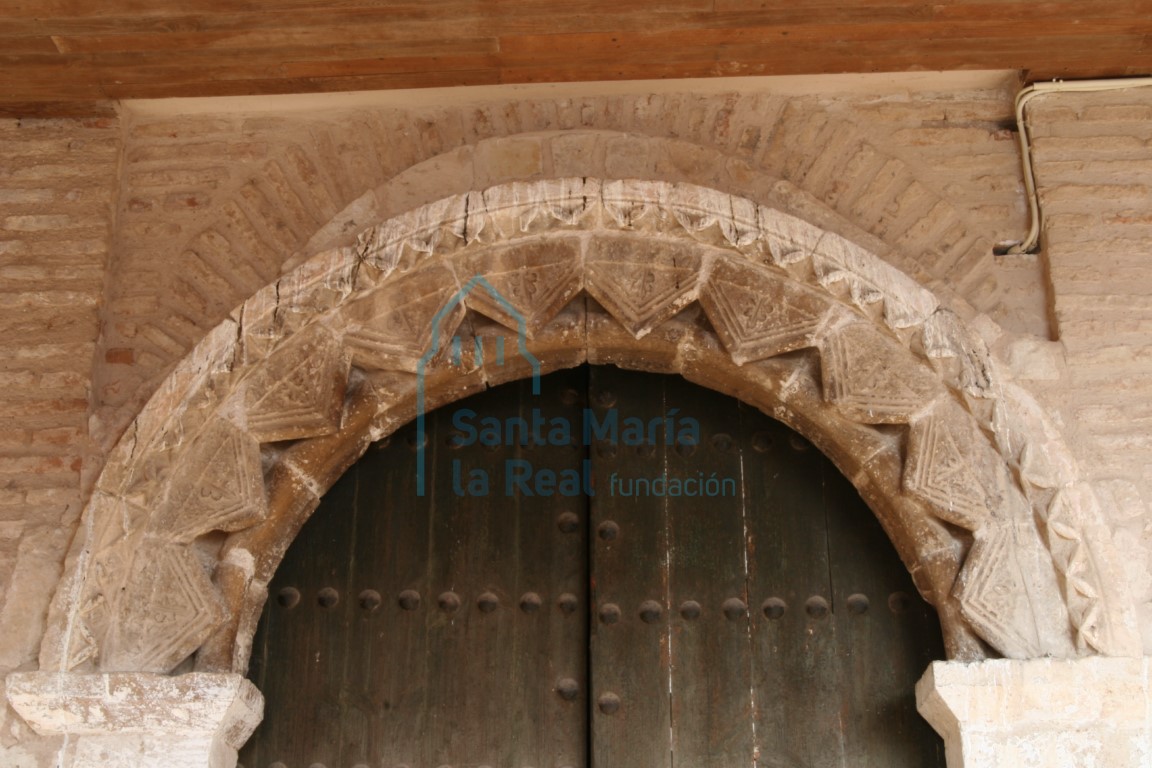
299,392
133,720
1027,436
649,250
994,594
870,280
759,314
872,379
531,281
392,327
403,241
516,209
1041,713
610,343
512,158
945,336
642,281
219,489
1082,548
167,608
949,465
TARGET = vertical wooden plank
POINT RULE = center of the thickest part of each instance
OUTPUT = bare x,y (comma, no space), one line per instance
323,597
710,652
561,580
386,676
461,647
796,680
302,623
389,641
428,658
502,667
887,634
631,715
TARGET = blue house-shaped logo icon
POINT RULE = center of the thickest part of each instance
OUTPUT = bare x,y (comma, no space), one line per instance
456,357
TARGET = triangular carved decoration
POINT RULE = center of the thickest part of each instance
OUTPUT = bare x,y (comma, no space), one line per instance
114,540
942,468
82,643
642,276
642,280
537,278
172,609
1091,574
759,315
872,379
391,328
222,488
300,392
112,544
994,597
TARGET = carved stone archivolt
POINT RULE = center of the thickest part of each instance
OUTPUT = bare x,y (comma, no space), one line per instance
202,496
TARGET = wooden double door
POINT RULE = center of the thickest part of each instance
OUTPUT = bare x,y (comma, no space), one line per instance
693,585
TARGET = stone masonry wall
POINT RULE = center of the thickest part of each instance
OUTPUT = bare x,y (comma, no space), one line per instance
57,186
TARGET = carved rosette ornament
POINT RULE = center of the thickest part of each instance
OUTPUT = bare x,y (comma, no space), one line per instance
271,407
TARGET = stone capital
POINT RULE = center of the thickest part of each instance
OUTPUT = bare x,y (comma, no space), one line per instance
132,720
1041,713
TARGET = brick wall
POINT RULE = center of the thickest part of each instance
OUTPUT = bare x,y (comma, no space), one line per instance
57,184
121,245
1093,156
213,205
208,208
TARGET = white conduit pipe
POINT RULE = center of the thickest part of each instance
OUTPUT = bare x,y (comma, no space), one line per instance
1028,245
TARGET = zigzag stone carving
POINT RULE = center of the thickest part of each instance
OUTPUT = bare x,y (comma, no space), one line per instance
392,327
787,324
758,314
300,392
222,489
643,282
870,377
945,467
536,278
167,606
993,594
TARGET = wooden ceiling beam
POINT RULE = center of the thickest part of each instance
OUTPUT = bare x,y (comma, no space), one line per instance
79,51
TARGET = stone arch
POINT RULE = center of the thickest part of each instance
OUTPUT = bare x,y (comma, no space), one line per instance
277,212
203,494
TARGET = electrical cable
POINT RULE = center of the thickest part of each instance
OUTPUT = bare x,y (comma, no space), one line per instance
1030,243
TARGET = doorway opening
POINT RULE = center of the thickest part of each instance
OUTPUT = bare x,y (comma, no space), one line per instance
624,569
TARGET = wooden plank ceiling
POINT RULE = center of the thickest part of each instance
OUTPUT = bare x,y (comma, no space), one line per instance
67,56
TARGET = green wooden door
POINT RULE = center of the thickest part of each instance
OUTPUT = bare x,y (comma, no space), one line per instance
611,597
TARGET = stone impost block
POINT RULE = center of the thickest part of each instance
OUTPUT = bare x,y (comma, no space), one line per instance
1094,712
138,720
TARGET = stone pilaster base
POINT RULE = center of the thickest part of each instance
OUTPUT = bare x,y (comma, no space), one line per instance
132,720
1094,712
